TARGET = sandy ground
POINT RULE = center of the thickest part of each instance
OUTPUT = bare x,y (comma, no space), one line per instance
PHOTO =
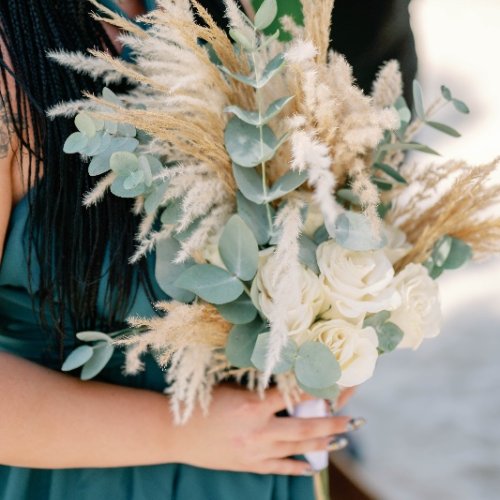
433,416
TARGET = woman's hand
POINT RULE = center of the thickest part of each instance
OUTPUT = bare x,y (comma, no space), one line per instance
242,433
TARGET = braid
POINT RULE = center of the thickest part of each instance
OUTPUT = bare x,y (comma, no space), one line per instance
70,243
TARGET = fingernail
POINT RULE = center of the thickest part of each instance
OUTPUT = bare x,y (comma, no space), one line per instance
309,471
337,443
354,424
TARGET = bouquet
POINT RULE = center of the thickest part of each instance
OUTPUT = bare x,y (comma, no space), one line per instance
294,238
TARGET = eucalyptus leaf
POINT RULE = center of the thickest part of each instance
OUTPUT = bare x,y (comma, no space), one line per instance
446,93
166,272
100,164
244,145
418,100
102,354
238,249
272,68
307,253
239,312
286,183
90,336
347,195
211,283
75,143
255,216
460,106
266,14
389,337
444,128
275,108
188,232
381,184
408,146
123,162
241,343
383,209
239,37
391,172
442,250
85,124
460,253
249,183
316,367
376,320
93,146
126,130
260,353
254,118
173,212
155,198
119,187
247,80
111,97
331,393
354,231
321,235
77,358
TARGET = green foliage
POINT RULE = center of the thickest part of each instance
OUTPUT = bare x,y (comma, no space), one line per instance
239,312
266,14
238,249
388,333
254,117
307,253
418,100
260,353
354,232
255,216
241,343
316,367
166,272
77,358
448,253
391,172
213,284
248,145
446,129
331,393
90,336
102,353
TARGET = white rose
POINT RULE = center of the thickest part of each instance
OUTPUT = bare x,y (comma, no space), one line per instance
419,315
354,347
303,305
356,283
397,246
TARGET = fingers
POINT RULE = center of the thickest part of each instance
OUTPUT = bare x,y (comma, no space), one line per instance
291,448
300,429
286,467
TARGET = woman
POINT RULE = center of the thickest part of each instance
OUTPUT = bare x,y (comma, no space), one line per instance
65,269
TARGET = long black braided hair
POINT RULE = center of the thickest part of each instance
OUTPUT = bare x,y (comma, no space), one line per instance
70,241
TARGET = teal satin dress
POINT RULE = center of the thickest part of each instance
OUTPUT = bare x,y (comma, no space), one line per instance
21,335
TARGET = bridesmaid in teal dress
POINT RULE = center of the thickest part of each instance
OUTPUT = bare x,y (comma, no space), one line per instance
22,335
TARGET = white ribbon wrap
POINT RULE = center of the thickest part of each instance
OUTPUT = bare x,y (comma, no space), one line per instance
311,409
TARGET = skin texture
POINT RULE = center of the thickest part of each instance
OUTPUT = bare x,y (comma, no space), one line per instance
52,420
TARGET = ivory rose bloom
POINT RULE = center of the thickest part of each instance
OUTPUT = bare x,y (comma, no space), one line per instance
304,305
354,347
419,315
356,283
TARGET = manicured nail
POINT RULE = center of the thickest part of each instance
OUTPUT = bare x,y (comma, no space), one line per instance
309,472
337,443
355,423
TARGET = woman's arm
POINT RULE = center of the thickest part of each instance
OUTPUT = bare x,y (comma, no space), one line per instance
52,420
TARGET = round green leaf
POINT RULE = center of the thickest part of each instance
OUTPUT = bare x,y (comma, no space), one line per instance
85,124
238,249
166,272
75,143
89,336
255,216
259,355
389,336
331,393
266,14
101,355
119,188
239,312
123,162
249,183
354,232
460,252
77,358
211,283
241,343
316,367
287,183
243,143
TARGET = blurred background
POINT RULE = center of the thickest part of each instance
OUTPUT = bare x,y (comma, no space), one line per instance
433,429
